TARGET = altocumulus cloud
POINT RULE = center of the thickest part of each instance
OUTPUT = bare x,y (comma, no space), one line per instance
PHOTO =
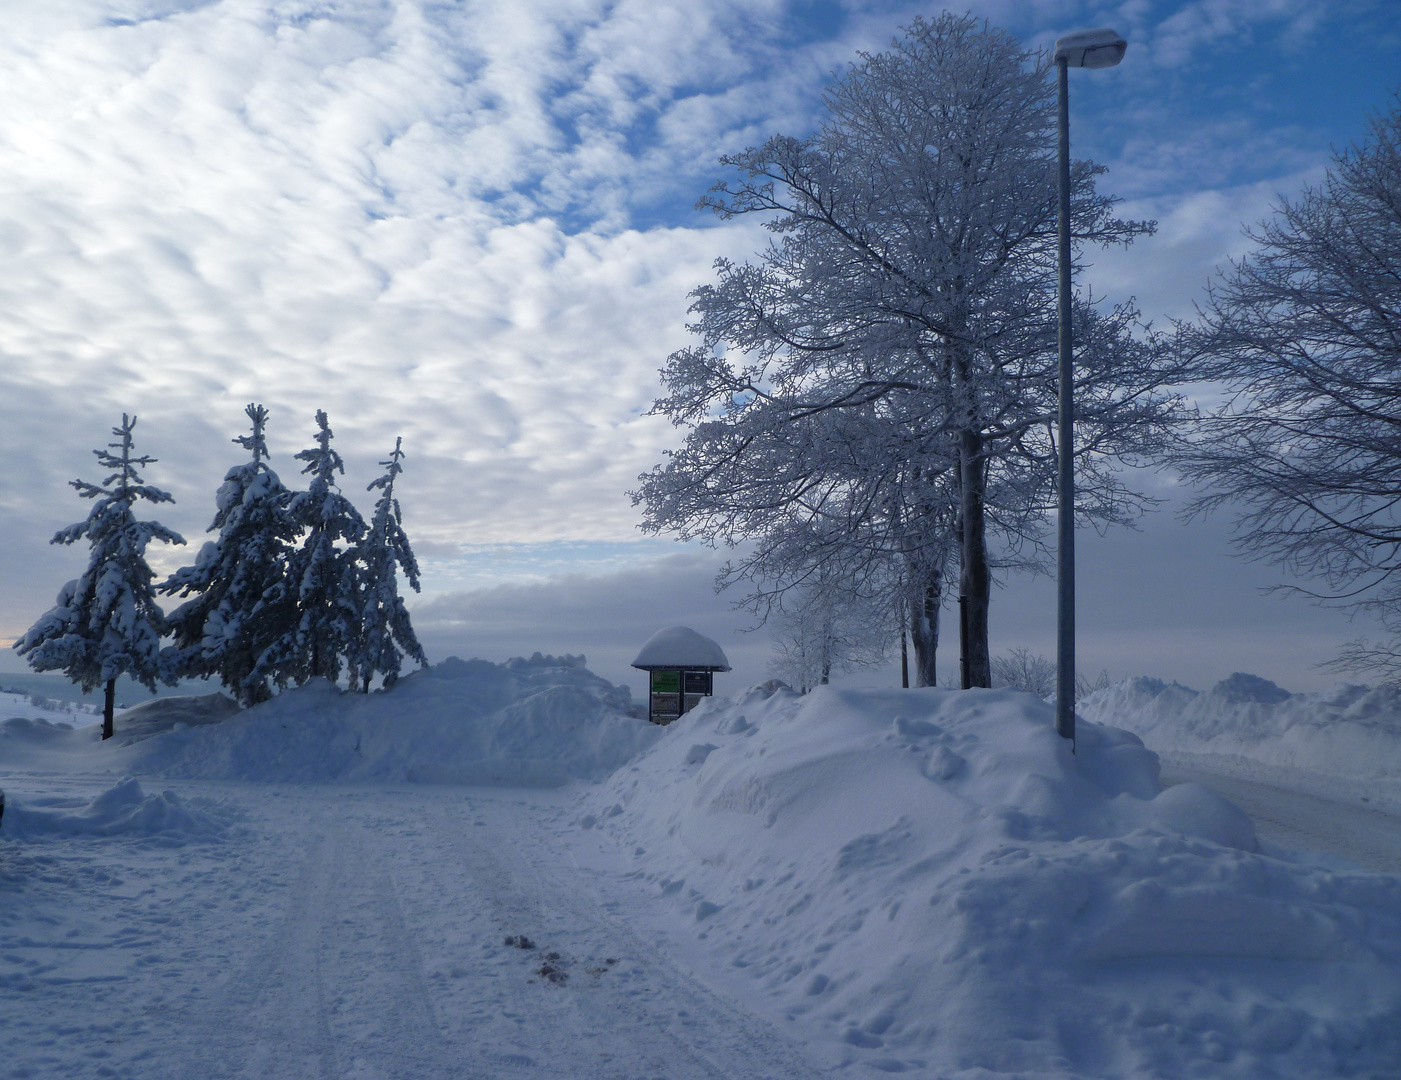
416,216
470,225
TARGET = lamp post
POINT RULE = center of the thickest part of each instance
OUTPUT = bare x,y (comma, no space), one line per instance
1089,49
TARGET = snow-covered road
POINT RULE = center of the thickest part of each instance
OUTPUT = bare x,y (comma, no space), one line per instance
357,933
847,882
1364,832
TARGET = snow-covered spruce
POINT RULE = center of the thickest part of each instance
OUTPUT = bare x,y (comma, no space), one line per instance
315,605
225,626
107,623
386,633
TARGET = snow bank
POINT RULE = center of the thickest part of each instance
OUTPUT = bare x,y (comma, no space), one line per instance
933,880
36,742
1346,731
165,714
122,810
538,722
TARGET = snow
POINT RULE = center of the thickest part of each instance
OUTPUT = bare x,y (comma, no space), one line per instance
1347,734
122,810
166,714
681,647
537,722
849,882
933,883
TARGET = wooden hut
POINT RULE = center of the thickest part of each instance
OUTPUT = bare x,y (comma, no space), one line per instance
682,666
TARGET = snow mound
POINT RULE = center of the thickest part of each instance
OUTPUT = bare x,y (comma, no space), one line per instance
165,714
537,722
36,742
1349,731
680,647
936,881
122,810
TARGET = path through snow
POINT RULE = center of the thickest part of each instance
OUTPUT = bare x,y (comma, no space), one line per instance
1367,834
357,933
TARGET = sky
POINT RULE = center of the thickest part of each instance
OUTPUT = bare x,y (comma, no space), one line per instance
473,225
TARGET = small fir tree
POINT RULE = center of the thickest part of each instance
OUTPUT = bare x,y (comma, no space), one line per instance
228,624
322,576
107,623
386,634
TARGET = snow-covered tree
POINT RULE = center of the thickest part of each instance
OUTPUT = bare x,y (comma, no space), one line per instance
1021,669
822,630
386,634
889,362
228,623
318,598
107,622
1305,333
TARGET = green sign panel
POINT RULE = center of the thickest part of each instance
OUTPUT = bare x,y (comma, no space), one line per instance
666,682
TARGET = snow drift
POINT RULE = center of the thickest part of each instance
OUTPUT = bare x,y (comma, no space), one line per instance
933,879
165,714
122,810
1346,731
536,722
30,742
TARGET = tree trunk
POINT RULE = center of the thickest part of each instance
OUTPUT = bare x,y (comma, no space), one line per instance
924,628
974,579
904,660
108,707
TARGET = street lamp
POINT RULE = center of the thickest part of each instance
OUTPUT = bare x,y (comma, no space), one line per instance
1089,49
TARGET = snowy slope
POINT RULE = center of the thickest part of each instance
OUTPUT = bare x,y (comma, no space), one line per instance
122,810
529,722
931,881
897,881
1348,733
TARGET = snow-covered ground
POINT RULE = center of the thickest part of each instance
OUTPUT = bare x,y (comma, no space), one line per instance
1344,739
844,883
1319,772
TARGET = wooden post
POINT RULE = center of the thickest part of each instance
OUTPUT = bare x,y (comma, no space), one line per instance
107,709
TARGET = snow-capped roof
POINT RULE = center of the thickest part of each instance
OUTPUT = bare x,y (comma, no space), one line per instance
681,647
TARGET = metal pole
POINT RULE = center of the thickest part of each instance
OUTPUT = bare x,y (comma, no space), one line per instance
1065,468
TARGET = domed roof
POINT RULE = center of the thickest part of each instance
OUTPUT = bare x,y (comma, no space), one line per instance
681,647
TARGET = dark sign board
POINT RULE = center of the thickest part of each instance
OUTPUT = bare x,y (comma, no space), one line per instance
675,691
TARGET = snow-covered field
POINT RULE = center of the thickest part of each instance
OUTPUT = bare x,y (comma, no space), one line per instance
495,871
1347,735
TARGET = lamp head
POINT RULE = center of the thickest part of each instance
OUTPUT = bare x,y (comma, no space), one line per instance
1100,48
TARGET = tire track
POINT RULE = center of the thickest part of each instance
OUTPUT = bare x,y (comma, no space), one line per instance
382,1013
1367,835
642,1016
271,1022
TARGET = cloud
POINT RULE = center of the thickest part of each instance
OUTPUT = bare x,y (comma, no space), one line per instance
1174,600
469,224
606,617
1197,235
